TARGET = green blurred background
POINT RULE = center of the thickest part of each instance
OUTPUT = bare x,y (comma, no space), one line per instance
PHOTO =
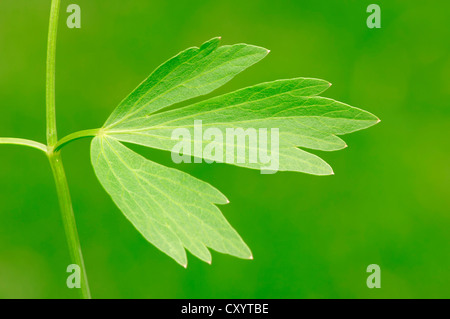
312,237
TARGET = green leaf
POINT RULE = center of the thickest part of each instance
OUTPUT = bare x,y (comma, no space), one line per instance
303,119
171,209
175,211
191,73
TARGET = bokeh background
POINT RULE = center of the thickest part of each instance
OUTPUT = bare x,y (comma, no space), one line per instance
312,237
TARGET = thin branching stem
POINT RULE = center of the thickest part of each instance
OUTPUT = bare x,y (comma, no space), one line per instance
52,137
54,157
75,136
25,142
68,218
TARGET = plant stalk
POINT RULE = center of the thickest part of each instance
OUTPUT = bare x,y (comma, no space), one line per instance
24,142
54,157
75,136
70,227
52,137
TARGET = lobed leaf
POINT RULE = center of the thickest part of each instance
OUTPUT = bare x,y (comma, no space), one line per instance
170,208
191,73
176,211
303,119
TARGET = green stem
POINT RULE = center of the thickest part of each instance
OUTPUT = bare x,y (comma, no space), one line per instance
70,226
55,157
52,137
21,141
75,136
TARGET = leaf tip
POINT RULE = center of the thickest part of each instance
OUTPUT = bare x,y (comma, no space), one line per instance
251,257
268,51
184,265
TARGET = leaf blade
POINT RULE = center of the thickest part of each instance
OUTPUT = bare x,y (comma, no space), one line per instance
304,120
191,73
171,209
173,216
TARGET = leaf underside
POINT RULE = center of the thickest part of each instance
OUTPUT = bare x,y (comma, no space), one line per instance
170,208
175,211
